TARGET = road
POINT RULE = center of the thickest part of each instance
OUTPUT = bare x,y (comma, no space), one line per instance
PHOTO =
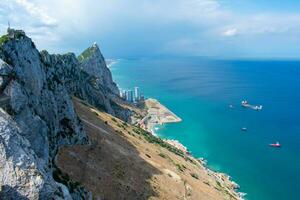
95,126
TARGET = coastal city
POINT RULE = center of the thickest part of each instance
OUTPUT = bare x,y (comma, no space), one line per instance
132,96
149,100
157,114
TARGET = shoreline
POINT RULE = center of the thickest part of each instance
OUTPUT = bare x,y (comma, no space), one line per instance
158,114
111,62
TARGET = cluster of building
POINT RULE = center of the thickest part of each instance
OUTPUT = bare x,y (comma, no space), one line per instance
133,96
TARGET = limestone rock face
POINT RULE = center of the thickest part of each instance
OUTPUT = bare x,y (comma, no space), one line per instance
5,72
37,115
93,62
65,69
21,175
39,102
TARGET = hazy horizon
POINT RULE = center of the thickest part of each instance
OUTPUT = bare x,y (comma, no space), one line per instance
209,28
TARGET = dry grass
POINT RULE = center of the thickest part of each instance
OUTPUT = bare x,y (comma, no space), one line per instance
121,164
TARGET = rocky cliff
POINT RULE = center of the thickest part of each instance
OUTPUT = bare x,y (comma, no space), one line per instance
93,62
37,115
47,151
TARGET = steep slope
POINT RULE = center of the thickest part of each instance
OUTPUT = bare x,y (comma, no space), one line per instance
44,117
93,62
125,162
48,152
21,173
36,108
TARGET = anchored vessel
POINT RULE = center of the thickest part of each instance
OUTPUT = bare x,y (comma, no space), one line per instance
254,107
275,144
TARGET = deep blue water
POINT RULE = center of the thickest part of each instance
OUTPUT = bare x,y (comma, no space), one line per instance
200,92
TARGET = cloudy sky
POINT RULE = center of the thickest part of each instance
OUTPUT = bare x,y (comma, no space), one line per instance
131,28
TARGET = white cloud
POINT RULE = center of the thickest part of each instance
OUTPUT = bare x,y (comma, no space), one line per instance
38,13
69,22
32,17
230,32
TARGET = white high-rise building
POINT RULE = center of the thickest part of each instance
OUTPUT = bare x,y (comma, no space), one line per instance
136,94
129,96
123,94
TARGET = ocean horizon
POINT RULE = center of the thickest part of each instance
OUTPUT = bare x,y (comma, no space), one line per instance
201,91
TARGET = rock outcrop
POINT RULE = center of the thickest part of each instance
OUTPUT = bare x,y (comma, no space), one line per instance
47,152
37,115
22,174
93,62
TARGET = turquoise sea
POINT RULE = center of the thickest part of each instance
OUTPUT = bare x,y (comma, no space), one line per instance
200,91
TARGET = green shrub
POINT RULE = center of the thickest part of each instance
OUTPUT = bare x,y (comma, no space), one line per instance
195,176
87,53
3,39
162,155
152,139
206,182
180,167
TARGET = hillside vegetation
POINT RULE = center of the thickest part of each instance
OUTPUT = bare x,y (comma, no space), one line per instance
125,162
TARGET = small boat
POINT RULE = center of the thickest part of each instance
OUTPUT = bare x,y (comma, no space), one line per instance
275,144
231,106
243,129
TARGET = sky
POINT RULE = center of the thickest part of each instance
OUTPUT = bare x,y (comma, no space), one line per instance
141,28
